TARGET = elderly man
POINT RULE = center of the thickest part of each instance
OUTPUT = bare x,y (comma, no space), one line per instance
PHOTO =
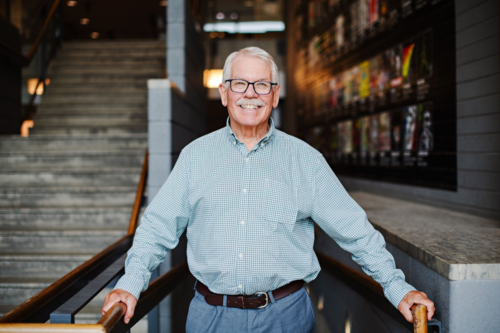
248,195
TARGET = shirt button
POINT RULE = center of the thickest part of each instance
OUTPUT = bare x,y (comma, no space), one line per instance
244,190
262,144
246,159
234,142
242,222
240,286
240,255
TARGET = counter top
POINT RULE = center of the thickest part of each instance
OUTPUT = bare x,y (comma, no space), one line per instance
458,246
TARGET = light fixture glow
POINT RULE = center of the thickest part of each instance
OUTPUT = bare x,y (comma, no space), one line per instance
84,21
163,3
347,327
257,27
220,16
94,35
321,302
233,16
212,78
248,3
71,3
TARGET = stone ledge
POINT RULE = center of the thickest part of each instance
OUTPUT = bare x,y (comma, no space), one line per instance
458,246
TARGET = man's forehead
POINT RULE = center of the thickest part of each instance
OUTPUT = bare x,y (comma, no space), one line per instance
247,66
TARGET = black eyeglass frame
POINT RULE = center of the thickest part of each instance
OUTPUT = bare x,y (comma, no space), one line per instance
250,83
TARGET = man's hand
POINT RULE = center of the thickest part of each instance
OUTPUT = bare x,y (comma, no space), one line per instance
123,296
412,298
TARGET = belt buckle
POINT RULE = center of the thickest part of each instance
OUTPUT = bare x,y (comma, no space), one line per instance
267,299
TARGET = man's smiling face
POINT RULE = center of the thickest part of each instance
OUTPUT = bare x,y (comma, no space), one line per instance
249,109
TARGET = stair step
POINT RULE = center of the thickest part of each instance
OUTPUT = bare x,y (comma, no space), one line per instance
107,177
38,265
54,143
64,242
15,197
108,71
121,97
89,130
115,108
143,44
94,218
97,89
88,121
106,65
94,79
95,99
75,160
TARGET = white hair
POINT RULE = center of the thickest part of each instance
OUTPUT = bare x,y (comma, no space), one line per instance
251,51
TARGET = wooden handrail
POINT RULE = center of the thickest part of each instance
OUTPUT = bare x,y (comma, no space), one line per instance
138,195
113,316
419,311
419,318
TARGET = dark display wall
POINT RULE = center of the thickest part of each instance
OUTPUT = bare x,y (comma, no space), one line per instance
376,87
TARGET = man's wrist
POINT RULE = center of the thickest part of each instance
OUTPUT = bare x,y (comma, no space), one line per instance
131,284
397,291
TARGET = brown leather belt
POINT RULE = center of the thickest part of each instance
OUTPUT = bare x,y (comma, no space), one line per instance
259,300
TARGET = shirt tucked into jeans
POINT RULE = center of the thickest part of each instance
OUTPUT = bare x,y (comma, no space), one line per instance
249,217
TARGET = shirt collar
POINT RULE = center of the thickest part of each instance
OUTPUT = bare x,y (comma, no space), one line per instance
269,135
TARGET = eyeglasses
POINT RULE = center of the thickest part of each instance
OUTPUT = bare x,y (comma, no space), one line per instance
260,87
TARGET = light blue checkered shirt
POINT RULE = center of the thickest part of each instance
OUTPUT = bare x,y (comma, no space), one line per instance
249,218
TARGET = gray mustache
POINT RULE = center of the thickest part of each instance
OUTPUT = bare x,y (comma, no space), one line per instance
246,101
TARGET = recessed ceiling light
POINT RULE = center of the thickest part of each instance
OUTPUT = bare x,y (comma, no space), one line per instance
248,3
94,35
163,3
84,21
71,3
220,16
233,16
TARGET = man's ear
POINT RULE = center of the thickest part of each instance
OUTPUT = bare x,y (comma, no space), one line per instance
276,97
223,94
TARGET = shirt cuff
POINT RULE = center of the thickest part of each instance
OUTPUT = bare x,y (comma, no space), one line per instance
132,284
396,291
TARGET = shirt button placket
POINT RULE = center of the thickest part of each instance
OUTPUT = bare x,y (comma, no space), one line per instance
242,226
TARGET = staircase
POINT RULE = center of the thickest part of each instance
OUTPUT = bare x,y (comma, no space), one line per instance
66,191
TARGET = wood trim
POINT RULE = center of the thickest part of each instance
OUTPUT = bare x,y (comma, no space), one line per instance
138,195
51,328
32,51
113,316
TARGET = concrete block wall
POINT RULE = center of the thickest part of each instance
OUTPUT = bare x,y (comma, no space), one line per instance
478,119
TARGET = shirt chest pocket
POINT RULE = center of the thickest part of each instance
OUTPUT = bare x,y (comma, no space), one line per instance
279,204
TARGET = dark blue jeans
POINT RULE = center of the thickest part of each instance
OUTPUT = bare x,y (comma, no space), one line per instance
294,313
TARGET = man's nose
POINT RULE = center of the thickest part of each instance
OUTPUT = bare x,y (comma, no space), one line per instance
250,93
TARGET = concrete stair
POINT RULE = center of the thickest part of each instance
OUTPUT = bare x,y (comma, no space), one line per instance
66,191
